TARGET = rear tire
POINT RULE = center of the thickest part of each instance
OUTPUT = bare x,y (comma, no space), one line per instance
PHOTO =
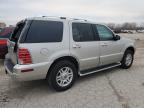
127,59
62,75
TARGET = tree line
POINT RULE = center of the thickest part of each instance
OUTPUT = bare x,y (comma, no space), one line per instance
125,26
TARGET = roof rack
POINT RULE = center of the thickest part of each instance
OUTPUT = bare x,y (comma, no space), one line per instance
54,17
64,18
79,19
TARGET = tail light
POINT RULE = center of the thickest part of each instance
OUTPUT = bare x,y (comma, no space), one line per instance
24,56
3,42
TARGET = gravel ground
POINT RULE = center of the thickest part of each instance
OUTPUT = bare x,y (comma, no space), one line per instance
114,88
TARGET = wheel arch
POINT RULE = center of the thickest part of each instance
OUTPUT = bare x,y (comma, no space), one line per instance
130,48
69,58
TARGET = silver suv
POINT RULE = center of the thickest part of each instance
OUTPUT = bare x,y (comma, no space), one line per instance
61,49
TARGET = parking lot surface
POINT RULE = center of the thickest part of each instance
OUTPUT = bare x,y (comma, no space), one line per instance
114,88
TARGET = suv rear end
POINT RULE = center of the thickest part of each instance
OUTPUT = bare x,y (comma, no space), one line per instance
32,47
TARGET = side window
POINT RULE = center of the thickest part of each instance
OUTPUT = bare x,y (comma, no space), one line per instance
104,33
45,31
82,32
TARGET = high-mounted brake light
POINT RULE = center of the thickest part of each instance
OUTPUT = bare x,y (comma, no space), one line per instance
24,56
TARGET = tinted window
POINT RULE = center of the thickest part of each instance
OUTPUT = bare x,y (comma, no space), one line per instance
104,33
17,31
45,31
82,32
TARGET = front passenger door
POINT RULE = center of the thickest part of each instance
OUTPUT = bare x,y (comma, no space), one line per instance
110,49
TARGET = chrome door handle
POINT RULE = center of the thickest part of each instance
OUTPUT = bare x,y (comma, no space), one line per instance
104,45
76,46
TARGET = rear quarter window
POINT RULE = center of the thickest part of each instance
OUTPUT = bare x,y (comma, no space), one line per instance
45,31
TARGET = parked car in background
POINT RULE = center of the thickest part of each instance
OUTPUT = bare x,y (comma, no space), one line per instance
140,31
5,34
60,49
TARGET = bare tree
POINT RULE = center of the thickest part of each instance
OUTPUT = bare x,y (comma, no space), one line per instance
111,25
118,28
129,26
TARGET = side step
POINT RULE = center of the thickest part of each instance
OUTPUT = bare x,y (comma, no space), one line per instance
98,69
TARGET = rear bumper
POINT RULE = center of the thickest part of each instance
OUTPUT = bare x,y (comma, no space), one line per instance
39,71
9,68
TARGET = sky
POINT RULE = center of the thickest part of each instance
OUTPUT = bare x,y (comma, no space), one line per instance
106,11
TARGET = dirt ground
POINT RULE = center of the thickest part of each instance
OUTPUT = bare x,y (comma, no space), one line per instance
114,88
139,38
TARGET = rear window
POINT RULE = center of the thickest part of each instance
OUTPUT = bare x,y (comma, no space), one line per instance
45,31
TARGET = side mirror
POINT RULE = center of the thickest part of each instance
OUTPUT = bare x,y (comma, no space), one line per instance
117,37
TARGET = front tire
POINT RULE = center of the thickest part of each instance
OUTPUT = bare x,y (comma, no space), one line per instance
127,59
62,75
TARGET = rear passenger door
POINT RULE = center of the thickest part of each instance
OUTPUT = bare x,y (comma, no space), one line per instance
84,45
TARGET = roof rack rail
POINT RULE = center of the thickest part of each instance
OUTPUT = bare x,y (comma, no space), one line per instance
62,17
79,19
54,17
